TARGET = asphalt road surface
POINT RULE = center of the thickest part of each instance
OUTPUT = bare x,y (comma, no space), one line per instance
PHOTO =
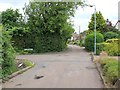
72,68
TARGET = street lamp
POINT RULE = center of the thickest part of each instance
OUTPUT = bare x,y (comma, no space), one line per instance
94,26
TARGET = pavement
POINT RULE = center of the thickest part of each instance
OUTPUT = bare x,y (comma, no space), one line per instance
72,68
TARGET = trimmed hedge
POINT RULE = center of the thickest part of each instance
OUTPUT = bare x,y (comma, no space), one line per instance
49,43
89,41
111,46
100,47
110,69
110,35
112,49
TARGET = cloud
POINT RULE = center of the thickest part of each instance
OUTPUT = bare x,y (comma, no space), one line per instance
4,6
18,4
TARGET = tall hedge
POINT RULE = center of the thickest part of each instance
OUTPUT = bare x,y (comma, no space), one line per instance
8,54
89,41
51,42
48,24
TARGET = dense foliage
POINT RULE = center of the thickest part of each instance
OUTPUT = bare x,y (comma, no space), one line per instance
8,54
89,41
110,70
11,18
112,49
110,35
100,47
111,46
14,23
48,24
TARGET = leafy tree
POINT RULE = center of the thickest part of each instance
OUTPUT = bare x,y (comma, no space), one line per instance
49,29
11,17
14,22
100,22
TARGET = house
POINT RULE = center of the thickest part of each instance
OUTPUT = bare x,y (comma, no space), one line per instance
75,36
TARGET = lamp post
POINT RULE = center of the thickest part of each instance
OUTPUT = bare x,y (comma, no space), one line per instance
79,32
94,27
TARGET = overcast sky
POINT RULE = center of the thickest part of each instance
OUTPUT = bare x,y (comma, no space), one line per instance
108,8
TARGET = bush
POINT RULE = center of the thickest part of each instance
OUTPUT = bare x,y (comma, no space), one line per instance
110,69
100,47
8,55
110,35
104,61
114,40
111,46
89,41
112,49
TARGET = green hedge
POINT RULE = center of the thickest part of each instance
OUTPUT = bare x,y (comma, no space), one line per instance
49,43
8,54
110,69
112,49
89,41
110,35
111,46
100,47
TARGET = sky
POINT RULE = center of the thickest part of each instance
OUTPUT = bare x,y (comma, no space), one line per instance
108,8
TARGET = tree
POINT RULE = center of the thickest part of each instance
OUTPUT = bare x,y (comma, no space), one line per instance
14,22
11,17
49,29
100,22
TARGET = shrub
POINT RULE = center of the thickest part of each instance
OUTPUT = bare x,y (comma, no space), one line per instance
109,64
114,40
110,69
89,41
112,49
104,61
8,55
100,47
111,46
110,35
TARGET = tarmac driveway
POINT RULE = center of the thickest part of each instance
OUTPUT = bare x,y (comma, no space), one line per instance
72,68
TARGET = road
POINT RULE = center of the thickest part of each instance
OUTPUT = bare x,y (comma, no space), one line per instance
72,68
